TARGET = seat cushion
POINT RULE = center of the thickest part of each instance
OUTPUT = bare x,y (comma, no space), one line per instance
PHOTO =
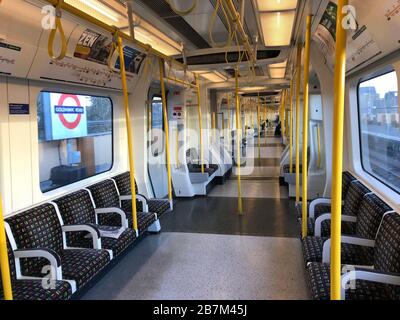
116,245
145,220
159,206
83,264
33,290
351,254
319,282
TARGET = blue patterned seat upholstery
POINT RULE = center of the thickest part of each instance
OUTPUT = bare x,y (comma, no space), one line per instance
40,228
386,260
33,289
123,181
105,195
372,210
77,208
352,200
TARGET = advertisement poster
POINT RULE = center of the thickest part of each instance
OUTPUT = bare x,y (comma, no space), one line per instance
133,60
360,44
93,46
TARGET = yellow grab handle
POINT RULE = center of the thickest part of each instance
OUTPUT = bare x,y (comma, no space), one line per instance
129,133
200,122
238,141
182,12
52,36
4,263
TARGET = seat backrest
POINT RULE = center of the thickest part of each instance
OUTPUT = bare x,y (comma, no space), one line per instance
105,194
387,249
354,197
38,227
369,217
76,208
347,178
123,182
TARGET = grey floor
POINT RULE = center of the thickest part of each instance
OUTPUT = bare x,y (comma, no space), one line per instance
207,250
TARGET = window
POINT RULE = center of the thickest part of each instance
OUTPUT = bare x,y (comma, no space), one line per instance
75,138
380,128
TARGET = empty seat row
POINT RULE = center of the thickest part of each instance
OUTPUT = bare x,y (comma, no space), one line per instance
58,247
370,249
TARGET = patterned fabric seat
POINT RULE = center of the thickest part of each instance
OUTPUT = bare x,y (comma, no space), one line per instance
33,289
105,195
369,218
40,228
386,260
354,196
77,208
159,206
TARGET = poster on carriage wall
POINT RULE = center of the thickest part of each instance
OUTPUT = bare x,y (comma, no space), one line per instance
93,46
360,44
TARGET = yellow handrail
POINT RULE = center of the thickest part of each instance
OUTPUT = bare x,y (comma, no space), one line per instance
259,125
4,263
129,130
298,81
200,123
214,126
166,126
319,146
238,140
58,26
266,117
291,128
87,17
305,125
337,156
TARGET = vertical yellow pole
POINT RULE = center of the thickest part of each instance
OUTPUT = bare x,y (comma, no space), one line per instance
238,140
214,125
298,81
266,117
228,106
291,128
283,117
129,133
337,163
4,263
166,126
200,122
259,125
305,125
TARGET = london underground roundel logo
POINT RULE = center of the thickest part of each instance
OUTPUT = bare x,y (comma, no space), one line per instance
70,110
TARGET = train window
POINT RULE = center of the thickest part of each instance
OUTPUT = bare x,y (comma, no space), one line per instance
380,128
75,138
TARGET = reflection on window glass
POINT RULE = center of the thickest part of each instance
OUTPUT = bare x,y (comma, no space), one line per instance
380,128
157,126
75,138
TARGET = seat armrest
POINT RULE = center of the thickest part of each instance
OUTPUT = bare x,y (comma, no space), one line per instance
139,197
326,252
328,216
316,202
46,253
94,232
124,221
368,275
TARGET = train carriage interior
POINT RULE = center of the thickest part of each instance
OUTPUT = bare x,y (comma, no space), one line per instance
199,150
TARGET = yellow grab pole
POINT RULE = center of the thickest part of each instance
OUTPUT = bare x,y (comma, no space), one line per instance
228,102
291,128
238,140
166,126
283,120
305,125
266,117
4,263
214,126
200,122
298,81
129,133
337,161
259,125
